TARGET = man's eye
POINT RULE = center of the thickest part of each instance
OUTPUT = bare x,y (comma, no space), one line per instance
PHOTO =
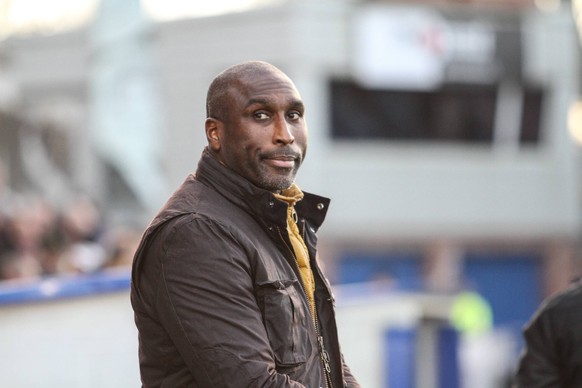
294,115
261,116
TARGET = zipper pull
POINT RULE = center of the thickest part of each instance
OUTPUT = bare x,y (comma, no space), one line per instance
324,354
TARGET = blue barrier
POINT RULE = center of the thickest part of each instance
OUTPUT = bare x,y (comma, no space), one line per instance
66,286
401,355
448,357
401,358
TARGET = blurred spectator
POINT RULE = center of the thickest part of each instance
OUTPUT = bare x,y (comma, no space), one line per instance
5,243
24,229
83,228
37,239
122,244
485,352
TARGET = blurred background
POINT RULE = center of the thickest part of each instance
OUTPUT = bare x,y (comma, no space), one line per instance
447,134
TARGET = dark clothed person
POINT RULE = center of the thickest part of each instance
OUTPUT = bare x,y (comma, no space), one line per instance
552,357
226,286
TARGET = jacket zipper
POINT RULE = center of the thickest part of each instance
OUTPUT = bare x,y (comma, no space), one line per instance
322,351
323,354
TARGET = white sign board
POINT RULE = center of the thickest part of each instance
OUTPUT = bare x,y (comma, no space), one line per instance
399,48
411,48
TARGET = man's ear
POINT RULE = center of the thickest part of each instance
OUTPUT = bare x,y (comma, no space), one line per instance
214,129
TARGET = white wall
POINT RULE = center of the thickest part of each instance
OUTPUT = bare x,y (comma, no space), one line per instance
83,342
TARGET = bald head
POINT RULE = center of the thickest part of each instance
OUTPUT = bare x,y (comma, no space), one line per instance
220,90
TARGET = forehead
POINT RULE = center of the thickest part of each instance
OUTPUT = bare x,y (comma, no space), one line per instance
268,86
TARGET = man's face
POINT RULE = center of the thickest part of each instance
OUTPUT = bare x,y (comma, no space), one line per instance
264,137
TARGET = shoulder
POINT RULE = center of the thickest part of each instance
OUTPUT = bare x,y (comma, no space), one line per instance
195,228
561,309
193,197
567,299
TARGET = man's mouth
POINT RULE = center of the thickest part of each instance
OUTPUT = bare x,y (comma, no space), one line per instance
281,161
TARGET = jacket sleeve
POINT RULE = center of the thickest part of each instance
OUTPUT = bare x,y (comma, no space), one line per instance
539,366
206,303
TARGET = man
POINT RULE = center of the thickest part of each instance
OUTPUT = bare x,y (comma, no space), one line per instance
552,357
226,287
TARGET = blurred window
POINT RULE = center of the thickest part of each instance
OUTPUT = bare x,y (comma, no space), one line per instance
452,113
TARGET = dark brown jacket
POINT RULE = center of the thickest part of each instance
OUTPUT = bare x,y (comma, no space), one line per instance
216,294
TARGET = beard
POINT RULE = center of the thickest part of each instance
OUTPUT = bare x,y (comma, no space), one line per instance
276,182
276,179
265,174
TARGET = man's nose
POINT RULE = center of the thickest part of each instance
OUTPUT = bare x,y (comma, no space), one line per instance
283,132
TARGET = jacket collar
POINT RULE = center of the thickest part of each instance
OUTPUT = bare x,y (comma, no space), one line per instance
260,203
